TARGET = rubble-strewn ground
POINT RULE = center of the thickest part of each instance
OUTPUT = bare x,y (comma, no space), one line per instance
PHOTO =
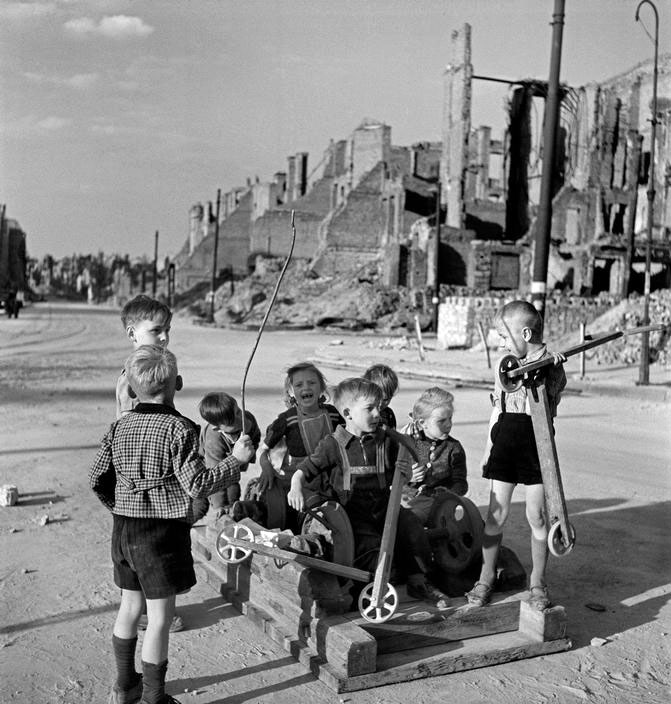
357,301
58,365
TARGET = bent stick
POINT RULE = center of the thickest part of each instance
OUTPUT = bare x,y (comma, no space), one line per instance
265,317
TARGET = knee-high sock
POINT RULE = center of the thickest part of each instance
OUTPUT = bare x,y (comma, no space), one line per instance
490,552
153,682
124,656
539,560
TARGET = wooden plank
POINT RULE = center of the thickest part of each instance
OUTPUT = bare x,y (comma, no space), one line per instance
386,551
543,625
455,657
453,625
297,579
345,645
335,639
305,560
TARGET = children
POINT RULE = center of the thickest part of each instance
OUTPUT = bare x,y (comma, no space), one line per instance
360,460
511,456
296,432
224,426
146,322
385,377
441,461
148,472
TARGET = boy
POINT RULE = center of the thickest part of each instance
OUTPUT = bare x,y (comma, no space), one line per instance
385,377
148,472
511,456
224,426
360,459
146,322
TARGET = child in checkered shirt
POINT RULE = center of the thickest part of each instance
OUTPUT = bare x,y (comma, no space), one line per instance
148,472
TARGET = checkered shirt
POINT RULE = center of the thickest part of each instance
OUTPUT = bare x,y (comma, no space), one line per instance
148,466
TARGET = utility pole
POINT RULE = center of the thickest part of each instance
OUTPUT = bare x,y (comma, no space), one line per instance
214,260
544,222
155,267
436,264
644,368
171,284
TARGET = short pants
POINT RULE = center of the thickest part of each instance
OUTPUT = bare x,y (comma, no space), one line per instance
152,555
514,457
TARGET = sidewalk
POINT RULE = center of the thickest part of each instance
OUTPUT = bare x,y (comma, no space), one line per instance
459,367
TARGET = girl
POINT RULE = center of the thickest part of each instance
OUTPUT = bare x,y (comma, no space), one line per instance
442,460
295,434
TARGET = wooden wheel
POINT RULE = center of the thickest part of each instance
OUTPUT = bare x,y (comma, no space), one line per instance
384,611
506,364
455,530
330,520
234,554
556,542
276,504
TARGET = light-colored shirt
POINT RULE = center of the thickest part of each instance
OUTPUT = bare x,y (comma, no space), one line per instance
554,378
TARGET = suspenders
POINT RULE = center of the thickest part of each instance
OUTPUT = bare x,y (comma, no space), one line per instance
350,471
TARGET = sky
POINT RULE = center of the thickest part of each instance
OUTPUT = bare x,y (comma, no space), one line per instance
116,116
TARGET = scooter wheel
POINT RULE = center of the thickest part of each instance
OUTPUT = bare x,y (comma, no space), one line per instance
234,554
556,542
381,613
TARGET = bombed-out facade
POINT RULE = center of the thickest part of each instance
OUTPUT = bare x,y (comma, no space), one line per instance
368,200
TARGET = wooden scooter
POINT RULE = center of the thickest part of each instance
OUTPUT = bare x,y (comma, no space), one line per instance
378,601
512,375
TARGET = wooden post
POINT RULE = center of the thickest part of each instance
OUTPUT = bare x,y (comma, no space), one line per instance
582,354
214,259
420,344
155,266
483,337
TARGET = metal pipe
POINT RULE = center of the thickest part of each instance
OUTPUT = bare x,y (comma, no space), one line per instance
644,368
544,222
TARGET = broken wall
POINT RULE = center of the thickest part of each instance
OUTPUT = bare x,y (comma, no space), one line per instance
456,125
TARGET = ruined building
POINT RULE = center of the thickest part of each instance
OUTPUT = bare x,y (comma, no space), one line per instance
368,200
13,259
599,182
356,206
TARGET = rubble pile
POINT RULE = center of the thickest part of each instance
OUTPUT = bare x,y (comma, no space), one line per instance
354,301
626,315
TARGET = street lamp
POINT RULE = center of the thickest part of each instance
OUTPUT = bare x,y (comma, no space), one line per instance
644,369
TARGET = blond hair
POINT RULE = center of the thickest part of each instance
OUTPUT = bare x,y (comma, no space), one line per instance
432,398
150,370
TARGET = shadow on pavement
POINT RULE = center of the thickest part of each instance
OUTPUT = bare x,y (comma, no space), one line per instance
621,561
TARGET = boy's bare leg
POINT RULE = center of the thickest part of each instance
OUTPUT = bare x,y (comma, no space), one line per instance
130,610
159,614
535,510
500,495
